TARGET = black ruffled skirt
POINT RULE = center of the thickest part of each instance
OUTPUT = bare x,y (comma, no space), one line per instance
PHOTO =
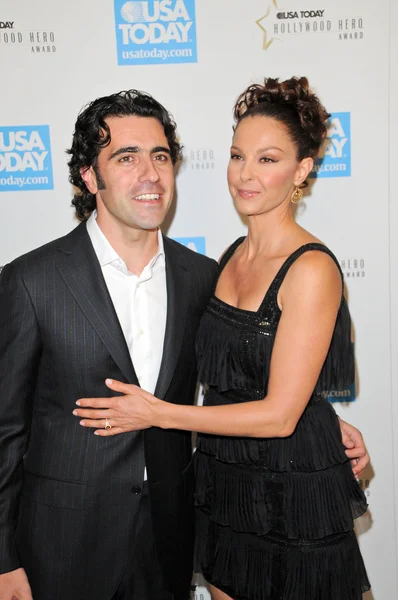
275,517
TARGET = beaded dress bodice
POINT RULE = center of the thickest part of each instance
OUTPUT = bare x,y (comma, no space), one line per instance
234,346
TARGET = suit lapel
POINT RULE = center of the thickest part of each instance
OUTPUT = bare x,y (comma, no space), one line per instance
78,265
177,281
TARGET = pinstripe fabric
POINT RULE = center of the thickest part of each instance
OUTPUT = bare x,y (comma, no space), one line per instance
143,577
67,508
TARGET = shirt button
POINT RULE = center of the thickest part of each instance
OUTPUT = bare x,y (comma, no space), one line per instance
136,490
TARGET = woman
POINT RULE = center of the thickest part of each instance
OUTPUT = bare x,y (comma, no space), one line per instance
276,496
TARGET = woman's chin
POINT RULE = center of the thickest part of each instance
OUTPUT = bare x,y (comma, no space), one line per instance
247,211
244,208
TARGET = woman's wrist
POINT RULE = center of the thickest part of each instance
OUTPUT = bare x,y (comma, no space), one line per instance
162,415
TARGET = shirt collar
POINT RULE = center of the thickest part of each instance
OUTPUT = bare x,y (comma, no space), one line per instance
106,254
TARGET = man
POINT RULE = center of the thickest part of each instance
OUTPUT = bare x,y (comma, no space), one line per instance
114,298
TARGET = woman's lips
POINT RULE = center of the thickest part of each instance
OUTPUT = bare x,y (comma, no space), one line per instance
247,193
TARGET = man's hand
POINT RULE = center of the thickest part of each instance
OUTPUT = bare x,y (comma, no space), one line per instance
355,447
15,586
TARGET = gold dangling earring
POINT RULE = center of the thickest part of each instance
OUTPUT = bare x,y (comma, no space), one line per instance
297,195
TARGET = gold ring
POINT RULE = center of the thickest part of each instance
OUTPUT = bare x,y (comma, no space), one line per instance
107,424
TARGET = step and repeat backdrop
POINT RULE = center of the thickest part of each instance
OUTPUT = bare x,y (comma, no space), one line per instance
196,56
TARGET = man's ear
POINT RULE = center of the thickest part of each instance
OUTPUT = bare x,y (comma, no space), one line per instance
89,178
303,170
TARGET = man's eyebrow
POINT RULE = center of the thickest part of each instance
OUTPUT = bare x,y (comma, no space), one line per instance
126,150
135,149
161,149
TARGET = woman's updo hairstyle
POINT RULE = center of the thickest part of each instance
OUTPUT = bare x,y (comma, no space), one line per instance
291,102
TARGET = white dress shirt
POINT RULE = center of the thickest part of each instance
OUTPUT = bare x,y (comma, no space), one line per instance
140,303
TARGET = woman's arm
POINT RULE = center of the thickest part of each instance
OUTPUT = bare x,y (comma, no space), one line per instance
310,298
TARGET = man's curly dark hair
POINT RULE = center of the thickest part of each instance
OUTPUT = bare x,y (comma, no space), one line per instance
92,134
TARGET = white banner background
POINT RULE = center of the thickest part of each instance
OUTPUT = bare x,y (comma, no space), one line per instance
357,216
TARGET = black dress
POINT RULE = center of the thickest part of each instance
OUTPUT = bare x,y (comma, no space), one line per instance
275,515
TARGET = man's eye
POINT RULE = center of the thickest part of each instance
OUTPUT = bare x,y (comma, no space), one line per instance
161,157
125,159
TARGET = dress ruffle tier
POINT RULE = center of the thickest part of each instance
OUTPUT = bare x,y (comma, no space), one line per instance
316,444
296,505
248,567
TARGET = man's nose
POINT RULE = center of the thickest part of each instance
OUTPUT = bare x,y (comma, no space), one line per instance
148,171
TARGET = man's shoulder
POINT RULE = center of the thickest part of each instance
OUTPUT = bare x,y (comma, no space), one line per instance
46,252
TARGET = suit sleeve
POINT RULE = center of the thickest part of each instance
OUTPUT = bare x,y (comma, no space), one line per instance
19,357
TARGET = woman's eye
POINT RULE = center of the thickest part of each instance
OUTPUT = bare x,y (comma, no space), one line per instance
266,159
235,157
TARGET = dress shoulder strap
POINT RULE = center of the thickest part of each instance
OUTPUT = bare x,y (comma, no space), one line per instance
229,252
281,274
300,251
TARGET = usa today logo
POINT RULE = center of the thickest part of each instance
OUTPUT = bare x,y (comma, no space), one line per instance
197,244
155,31
25,158
334,159
346,395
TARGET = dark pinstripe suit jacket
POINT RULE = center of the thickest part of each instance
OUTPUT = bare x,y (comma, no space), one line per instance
68,498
